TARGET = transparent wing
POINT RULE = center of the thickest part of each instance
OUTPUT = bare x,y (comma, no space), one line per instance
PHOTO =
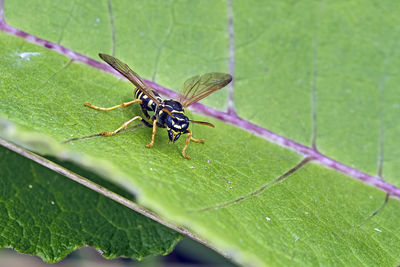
130,75
198,87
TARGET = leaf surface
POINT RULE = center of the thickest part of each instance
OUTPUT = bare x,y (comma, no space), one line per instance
44,214
300,76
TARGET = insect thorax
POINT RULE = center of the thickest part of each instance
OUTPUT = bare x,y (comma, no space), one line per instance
179,122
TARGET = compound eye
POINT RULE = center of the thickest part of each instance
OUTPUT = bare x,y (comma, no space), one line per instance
177,137
170,135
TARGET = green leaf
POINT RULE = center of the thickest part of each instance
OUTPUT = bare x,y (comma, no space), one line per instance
347,60
44,214
313,73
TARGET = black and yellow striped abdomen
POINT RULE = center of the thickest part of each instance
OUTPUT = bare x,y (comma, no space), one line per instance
147,103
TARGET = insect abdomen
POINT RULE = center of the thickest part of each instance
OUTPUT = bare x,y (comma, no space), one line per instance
147,103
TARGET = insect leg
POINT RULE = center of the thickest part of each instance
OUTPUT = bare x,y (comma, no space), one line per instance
122,127
188,139
154,134
146,114
196,140
123,105
147,124
144,111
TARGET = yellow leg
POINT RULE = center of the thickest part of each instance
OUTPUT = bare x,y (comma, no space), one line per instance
196,140
153,135
187,141
122,127
123,105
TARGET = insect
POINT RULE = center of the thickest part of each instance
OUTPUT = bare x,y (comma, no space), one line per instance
168,113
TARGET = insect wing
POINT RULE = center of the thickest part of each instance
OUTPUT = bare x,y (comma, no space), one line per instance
198,87
130,75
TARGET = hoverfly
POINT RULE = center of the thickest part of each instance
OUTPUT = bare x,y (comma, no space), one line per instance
168,113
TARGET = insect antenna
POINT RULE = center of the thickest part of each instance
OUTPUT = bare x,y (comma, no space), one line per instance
198,122
203,123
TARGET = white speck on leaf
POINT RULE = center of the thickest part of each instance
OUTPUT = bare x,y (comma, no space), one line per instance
26,55
30,186
151,169
208,161
192,167
52,202
267,218
97,20
306,213
378,230
296,239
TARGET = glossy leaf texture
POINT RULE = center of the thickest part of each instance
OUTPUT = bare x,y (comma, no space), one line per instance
312,72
